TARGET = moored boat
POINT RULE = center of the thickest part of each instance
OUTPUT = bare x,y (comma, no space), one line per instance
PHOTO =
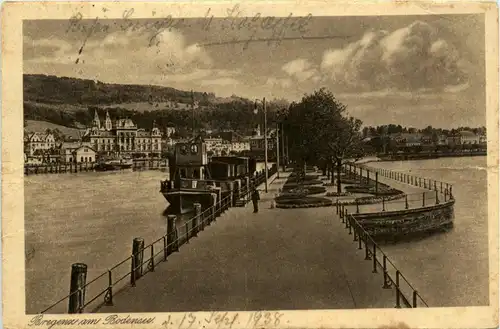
195,179
114,164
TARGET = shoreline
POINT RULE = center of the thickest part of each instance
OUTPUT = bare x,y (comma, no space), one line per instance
390,159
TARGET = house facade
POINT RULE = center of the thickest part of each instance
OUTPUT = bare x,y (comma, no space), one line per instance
76,152
123,136
42,143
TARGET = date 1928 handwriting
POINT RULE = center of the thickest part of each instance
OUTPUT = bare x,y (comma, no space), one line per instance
224,320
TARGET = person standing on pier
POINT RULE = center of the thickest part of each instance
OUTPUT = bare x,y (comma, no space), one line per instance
255,200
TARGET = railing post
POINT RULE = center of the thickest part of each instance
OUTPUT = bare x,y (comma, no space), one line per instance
350,224
152,260
425,184
360,239
197,213
437,197
357,206
355,235
376,183
406,201
337,206
374,258
441,189
132,271
423,199
384,266
108,298
367,249
414,299
451,194
172,241
187,231
77,288
164,248
383,203
138,254
398,302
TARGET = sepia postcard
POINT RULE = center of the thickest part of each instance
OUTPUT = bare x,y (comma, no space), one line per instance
226,165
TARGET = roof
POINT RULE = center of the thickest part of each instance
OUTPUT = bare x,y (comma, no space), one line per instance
143,134
86,146
467,133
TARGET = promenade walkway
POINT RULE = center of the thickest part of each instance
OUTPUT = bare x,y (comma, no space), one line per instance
276,259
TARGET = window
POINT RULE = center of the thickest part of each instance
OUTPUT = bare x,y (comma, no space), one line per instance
90,159
81,159
70,159
85,159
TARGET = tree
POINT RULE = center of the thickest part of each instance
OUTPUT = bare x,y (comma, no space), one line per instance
319,132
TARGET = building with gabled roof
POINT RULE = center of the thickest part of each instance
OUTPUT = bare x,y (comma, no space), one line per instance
122,136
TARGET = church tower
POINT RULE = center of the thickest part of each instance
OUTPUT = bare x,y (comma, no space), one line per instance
108,124
96,123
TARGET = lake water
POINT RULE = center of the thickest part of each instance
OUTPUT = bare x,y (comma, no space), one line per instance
90,218
449,269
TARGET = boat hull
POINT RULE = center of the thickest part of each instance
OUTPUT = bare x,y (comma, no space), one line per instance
182,202
112,167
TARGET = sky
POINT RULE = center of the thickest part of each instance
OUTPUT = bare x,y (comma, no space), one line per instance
409,70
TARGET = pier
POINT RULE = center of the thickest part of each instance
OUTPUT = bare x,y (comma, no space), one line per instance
228,258
276,259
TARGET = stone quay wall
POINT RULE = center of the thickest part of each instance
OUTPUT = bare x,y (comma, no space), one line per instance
395,224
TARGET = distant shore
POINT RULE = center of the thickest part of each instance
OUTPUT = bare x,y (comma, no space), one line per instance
422,156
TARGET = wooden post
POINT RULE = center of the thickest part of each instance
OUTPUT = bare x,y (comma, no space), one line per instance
138,255
376,183
77,288
197,214
172,242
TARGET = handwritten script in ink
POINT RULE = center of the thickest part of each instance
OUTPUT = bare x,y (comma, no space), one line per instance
275,28
217,320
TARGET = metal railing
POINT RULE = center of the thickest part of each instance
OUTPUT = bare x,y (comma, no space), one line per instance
439,192
406,294
397,202
422,182
129,270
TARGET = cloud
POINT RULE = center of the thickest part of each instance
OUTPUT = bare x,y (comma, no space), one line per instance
409,58
138,52
220,82
279,82
301,69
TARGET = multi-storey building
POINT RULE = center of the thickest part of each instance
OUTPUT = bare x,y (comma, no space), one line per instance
123,136
38,142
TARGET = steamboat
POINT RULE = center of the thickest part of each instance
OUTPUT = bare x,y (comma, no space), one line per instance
119,163
194,178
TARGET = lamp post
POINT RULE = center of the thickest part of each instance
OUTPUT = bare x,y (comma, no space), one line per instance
265,134
277,150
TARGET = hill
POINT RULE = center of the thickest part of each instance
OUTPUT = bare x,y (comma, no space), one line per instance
42,126
63,90
72,102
